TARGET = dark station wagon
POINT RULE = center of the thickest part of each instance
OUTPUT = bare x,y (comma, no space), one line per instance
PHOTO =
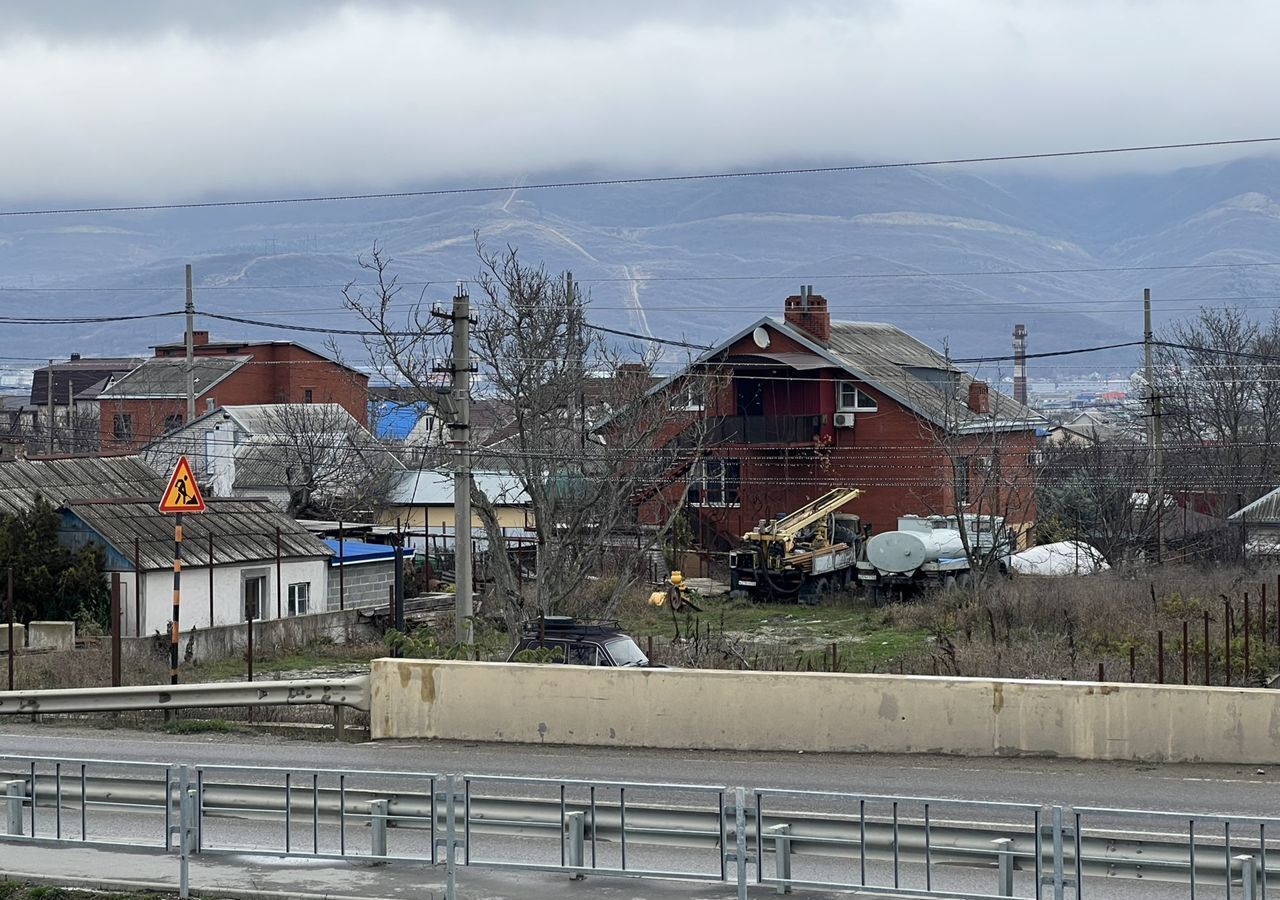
581,643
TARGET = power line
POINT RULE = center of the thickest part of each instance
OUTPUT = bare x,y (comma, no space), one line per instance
641,180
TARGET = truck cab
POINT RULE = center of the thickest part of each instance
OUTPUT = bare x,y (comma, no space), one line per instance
580,643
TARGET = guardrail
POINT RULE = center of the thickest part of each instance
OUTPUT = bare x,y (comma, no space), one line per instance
876,845
350,693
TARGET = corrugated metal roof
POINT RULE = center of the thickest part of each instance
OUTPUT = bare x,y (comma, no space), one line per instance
167,377
81,478
1263,511
243,531
75,376
117,496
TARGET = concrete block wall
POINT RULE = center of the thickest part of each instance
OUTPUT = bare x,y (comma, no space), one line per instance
51,635
367,584
19,638
791,711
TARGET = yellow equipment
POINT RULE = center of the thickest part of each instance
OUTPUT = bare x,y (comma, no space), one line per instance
796,555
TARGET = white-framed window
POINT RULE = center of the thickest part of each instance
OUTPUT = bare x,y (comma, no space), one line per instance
852,398
715,482
300,598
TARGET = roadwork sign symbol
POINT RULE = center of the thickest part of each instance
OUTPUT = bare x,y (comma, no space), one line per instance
183,494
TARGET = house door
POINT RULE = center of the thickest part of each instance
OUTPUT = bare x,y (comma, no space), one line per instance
253,594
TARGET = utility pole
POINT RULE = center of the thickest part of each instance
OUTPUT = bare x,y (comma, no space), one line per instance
50,405
1155,431
191,349
460,440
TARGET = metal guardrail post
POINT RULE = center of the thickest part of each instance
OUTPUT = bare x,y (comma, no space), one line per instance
186,829
1004,867
575,843
378,827
781,835
1248,877
740,839
451,838
1059,877
15,792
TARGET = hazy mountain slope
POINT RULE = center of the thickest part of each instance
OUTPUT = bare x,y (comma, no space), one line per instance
696,259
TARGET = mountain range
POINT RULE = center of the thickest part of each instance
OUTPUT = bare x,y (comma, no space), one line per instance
955,255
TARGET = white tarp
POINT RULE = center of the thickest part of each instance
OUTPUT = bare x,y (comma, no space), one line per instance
1062,558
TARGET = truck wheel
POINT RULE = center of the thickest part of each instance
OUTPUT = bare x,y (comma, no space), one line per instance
948,584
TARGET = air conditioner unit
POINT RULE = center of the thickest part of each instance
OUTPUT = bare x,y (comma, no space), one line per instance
844,420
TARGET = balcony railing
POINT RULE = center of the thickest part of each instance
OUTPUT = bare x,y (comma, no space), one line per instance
756,430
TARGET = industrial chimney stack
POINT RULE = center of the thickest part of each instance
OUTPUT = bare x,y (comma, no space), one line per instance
1020,363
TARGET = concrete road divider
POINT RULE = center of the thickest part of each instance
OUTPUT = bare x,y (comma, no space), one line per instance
794,711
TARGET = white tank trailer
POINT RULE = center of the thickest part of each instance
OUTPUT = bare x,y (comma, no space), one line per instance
926,549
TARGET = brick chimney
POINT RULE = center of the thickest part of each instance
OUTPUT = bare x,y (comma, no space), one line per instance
808,312
979,399
199,337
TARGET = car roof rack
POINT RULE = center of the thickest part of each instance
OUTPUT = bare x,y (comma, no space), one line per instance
561,624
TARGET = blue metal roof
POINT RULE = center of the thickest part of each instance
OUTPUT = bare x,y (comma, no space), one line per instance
394,421
354,552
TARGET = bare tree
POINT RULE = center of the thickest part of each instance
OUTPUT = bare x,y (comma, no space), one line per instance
330,464
1218,379
587,435
988,465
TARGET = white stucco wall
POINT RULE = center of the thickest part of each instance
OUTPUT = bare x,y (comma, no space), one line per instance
157,593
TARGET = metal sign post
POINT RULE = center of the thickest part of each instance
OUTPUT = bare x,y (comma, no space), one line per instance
181,496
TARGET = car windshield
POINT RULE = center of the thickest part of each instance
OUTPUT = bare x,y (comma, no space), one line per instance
625,652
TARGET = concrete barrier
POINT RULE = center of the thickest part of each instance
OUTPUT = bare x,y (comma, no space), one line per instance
19,638
51,635
790,711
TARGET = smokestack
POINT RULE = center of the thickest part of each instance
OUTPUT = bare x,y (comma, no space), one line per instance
1020,363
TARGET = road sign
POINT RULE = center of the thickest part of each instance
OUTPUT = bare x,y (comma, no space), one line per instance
183,494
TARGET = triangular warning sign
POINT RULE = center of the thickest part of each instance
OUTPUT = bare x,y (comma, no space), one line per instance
183,494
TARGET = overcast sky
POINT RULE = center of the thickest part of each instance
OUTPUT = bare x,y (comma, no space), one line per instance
134,100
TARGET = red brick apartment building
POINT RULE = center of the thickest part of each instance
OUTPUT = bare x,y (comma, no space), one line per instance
151,400
806,404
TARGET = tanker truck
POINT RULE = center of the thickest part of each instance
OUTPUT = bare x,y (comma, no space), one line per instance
929,551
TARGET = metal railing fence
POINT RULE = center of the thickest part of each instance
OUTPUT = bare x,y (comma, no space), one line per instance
774,838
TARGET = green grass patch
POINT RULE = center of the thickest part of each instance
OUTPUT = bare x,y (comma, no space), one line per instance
313,656
865,635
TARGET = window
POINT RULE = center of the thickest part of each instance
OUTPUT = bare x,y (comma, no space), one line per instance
173,422
122,427
961,466
299,598
209,404
306,395
584,655
715,483
253,590
854,399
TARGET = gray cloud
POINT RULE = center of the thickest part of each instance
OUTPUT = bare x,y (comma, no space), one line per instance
159,100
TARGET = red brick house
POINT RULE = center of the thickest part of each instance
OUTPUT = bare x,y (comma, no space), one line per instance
151,400
807,404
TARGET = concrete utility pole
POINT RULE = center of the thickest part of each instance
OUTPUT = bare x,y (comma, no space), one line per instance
460,438
1155,431
50,405
191,349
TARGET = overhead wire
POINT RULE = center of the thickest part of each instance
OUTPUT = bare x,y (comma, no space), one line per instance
640,180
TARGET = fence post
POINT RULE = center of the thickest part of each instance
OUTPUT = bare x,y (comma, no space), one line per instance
740,839
574,834
781,835
1004,867
15,792
378,827
1248,877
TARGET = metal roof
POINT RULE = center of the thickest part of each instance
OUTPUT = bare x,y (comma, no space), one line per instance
1263,511
74,377
435,488
79,478
243,531
167,377
116,496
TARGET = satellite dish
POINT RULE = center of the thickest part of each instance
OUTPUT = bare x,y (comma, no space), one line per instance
761,337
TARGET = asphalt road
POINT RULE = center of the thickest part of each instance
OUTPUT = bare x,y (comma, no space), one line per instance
1197,789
